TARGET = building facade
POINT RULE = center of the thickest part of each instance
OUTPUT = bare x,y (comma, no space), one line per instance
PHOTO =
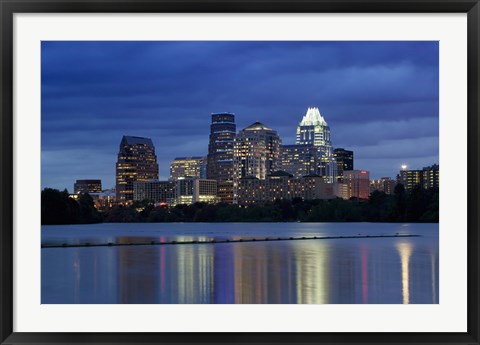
356,184
281,185
426,178
256,151
299,160
155,191
344,161
182,191
220,153
136,162
314,130
182,167
220,147
384,184
87,186
192,190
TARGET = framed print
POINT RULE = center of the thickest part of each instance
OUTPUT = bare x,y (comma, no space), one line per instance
239,172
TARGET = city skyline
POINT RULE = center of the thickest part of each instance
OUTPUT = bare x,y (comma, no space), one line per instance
380,100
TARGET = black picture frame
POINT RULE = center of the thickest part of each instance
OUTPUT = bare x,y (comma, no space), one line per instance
7,10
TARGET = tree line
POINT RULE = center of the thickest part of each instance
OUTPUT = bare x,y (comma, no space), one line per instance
417,205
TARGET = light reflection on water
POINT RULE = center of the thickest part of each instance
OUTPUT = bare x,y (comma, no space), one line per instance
376,270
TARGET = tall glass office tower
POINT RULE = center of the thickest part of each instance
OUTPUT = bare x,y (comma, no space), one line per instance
314,130
136,162
220,147
220,154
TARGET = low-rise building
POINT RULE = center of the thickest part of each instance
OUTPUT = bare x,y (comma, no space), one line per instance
87,186
281,185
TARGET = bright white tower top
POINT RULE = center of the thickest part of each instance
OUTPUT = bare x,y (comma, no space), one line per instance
313,118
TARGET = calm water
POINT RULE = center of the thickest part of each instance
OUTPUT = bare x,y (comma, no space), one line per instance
365,270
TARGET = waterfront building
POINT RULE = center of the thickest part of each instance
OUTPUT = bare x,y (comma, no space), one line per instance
256,151
314,130
311,187
87,186
431,176
155,191
344,160
182,167
220,147
225,191
426,178
356,184
220,154
299,160
187,190
136,162
192,190
384,184
281,185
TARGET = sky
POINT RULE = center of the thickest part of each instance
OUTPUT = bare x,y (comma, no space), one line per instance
380,99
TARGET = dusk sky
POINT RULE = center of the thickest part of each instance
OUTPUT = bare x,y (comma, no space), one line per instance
380,99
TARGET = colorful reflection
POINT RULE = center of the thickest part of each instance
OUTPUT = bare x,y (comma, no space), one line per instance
309,272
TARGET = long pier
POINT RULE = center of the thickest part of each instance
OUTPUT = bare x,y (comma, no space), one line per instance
213,241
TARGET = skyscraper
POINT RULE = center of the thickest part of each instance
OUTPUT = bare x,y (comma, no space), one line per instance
136,162
344,159
314,130
220,147
220,154
256,152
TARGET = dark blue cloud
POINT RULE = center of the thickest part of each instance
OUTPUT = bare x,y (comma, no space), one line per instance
376,96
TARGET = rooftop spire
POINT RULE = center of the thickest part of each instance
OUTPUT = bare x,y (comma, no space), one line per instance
312,118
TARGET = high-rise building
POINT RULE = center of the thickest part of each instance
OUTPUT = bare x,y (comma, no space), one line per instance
256,151
136,162
314,130
220,154
299,160
182,167
87,186
356,184
220,147
344,159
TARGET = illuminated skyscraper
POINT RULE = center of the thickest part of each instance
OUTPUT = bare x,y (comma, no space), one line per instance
136,162
314,130
220,147
256,152
220,154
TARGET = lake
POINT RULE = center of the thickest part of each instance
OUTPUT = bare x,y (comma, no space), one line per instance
316,271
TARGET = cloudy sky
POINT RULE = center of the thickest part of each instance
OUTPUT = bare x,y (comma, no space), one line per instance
380,99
